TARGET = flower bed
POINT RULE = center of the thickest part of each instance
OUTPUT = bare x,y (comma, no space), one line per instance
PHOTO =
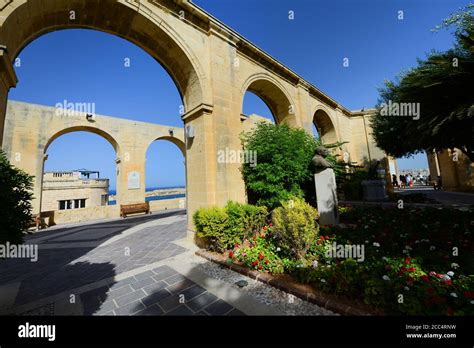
410,261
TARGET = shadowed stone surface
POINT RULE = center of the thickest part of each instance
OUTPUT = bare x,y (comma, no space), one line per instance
160,291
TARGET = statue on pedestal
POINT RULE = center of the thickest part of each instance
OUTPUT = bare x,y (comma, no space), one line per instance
325,184
319,160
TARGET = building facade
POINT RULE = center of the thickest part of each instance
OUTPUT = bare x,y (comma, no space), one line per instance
73,190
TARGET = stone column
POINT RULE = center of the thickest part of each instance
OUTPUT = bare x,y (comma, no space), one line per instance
200,161
8,80
130,172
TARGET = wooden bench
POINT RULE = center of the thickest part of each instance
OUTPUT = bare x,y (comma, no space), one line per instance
126,209
38,221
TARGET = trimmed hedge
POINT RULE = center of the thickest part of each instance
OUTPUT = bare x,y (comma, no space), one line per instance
222,228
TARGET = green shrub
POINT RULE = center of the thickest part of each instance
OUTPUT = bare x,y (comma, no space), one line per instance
211,224
352,185
245,219
15,201
295,227
222,228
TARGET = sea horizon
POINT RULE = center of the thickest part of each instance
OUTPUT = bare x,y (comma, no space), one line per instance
148,189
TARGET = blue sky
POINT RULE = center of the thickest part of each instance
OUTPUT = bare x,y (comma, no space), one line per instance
84,65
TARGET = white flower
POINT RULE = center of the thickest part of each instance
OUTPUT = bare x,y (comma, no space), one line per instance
314,264
323,280
366,226
432,248
405,251
375,244
386,277
408,247
450,273
406,288
445,277
472,302
366,242
453,294
417,241
454,265
385,258
278,249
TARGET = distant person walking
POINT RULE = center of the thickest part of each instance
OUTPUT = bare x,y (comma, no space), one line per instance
439,183
403,181
394,180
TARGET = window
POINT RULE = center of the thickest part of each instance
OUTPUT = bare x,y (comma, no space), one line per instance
79,203
104,199
72,204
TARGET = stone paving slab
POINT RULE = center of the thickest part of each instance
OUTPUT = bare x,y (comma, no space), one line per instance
61,272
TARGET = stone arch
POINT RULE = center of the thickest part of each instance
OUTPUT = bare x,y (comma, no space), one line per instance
325,126
93,130
137,24
274,95
178,142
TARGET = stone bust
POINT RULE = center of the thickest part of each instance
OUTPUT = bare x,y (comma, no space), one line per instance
319,159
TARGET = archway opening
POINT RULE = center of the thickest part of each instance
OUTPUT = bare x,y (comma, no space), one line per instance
76,175
165,177
324,128
256,108
122,81
273,96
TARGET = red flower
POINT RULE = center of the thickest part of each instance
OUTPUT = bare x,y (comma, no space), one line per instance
267,261
326,237
469,294
264,228
255,263
231,254
408,260
403,268
261,256
260,267
447,282
425,279
318,242
412,269
271,225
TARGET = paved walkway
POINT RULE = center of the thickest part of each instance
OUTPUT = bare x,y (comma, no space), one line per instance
443,197
109,268
136,266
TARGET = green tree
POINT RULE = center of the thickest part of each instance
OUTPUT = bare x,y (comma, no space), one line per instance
283,163
442,85
15,201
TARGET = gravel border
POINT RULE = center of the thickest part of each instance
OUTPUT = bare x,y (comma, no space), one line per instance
286,303
289,286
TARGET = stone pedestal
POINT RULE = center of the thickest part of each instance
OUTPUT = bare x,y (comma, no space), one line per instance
326,196
374,190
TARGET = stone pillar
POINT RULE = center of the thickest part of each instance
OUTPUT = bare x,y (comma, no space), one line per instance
200,161
25,148
326,196
131,172
8,80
